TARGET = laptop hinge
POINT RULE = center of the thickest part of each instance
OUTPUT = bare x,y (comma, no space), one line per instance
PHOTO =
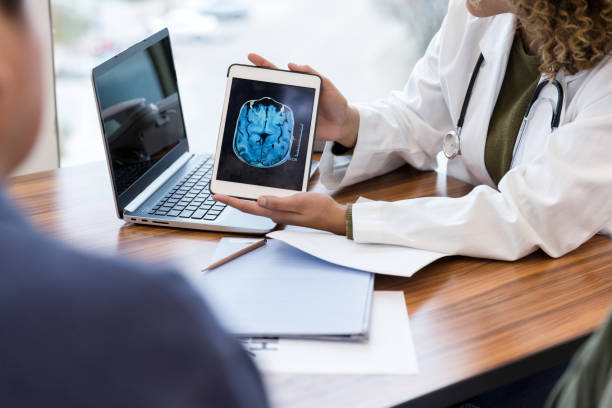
157,183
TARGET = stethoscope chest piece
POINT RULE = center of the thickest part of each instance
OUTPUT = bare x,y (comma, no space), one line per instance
451,146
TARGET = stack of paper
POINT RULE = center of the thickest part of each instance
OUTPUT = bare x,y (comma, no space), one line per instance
277,290
389,350
305,285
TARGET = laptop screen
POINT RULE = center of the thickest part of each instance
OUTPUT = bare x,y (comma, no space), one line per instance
141,114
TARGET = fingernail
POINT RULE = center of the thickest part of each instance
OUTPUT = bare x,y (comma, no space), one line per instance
262,201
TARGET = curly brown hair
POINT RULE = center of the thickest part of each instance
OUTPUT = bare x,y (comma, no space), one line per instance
573,35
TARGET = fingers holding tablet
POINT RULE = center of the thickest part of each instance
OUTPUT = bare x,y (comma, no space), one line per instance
312,210
260,61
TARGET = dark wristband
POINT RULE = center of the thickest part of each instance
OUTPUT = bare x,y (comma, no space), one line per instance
349,221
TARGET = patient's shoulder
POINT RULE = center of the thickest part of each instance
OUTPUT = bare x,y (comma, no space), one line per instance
86,316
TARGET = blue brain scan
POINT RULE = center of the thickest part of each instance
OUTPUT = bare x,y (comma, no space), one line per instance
264,133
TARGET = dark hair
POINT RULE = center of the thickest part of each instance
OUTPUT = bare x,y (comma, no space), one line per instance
11,7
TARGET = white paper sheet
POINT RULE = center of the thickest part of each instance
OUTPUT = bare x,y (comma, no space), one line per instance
389,350
382,259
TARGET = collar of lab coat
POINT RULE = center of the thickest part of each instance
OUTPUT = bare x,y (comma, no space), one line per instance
498,37
494,45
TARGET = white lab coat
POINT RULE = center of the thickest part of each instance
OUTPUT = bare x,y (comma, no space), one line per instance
556,196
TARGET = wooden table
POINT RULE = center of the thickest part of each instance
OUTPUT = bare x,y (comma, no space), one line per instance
476,323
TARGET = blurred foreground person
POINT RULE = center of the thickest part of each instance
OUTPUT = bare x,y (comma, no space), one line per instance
82,331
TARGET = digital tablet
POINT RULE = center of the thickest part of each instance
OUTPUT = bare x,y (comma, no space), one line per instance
267,132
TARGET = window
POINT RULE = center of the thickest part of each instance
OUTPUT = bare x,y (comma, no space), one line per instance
366,47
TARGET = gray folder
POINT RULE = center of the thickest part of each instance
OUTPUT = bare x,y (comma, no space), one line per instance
279,291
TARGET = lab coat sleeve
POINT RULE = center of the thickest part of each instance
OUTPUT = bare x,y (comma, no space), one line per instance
556,202
406,127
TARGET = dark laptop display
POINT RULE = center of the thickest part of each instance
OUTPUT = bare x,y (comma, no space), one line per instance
156,179
141,114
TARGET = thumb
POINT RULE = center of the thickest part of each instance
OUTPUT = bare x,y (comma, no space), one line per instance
277,204
307,69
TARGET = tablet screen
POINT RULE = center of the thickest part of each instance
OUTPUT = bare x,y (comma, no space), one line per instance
265,139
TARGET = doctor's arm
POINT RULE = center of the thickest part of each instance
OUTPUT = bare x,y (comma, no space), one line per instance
556,202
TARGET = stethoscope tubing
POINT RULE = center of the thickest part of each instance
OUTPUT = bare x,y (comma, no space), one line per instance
556,118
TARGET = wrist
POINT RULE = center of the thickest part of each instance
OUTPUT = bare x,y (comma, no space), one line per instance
339,220
350,128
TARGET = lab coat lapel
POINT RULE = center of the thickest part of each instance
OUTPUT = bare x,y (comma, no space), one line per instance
495,47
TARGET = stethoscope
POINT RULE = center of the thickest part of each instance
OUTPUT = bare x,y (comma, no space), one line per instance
451,145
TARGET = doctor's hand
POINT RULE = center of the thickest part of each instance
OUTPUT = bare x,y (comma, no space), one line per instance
338,122
310,210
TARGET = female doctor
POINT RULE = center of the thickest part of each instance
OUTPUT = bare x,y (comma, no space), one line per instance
518,96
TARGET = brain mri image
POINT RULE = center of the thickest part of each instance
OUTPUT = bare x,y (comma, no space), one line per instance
264,133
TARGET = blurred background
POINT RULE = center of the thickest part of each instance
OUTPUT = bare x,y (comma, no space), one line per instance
366,47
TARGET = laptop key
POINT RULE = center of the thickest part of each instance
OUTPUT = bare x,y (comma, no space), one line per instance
186,214
199,214
161,212
174,213
210,217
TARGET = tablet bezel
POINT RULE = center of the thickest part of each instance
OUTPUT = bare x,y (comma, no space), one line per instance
277,76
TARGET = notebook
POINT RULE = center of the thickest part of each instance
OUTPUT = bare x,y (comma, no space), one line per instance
280,291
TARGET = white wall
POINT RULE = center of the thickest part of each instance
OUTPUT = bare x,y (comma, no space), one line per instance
45,154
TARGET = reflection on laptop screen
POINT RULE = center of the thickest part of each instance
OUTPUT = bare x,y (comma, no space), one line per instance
140,111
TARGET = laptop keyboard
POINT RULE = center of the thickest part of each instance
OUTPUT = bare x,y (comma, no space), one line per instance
191,197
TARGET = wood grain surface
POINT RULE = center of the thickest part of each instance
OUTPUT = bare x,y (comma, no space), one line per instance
469,317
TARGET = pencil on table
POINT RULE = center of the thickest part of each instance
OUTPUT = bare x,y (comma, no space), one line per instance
235,255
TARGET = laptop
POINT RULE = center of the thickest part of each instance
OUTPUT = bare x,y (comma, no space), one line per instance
156,180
